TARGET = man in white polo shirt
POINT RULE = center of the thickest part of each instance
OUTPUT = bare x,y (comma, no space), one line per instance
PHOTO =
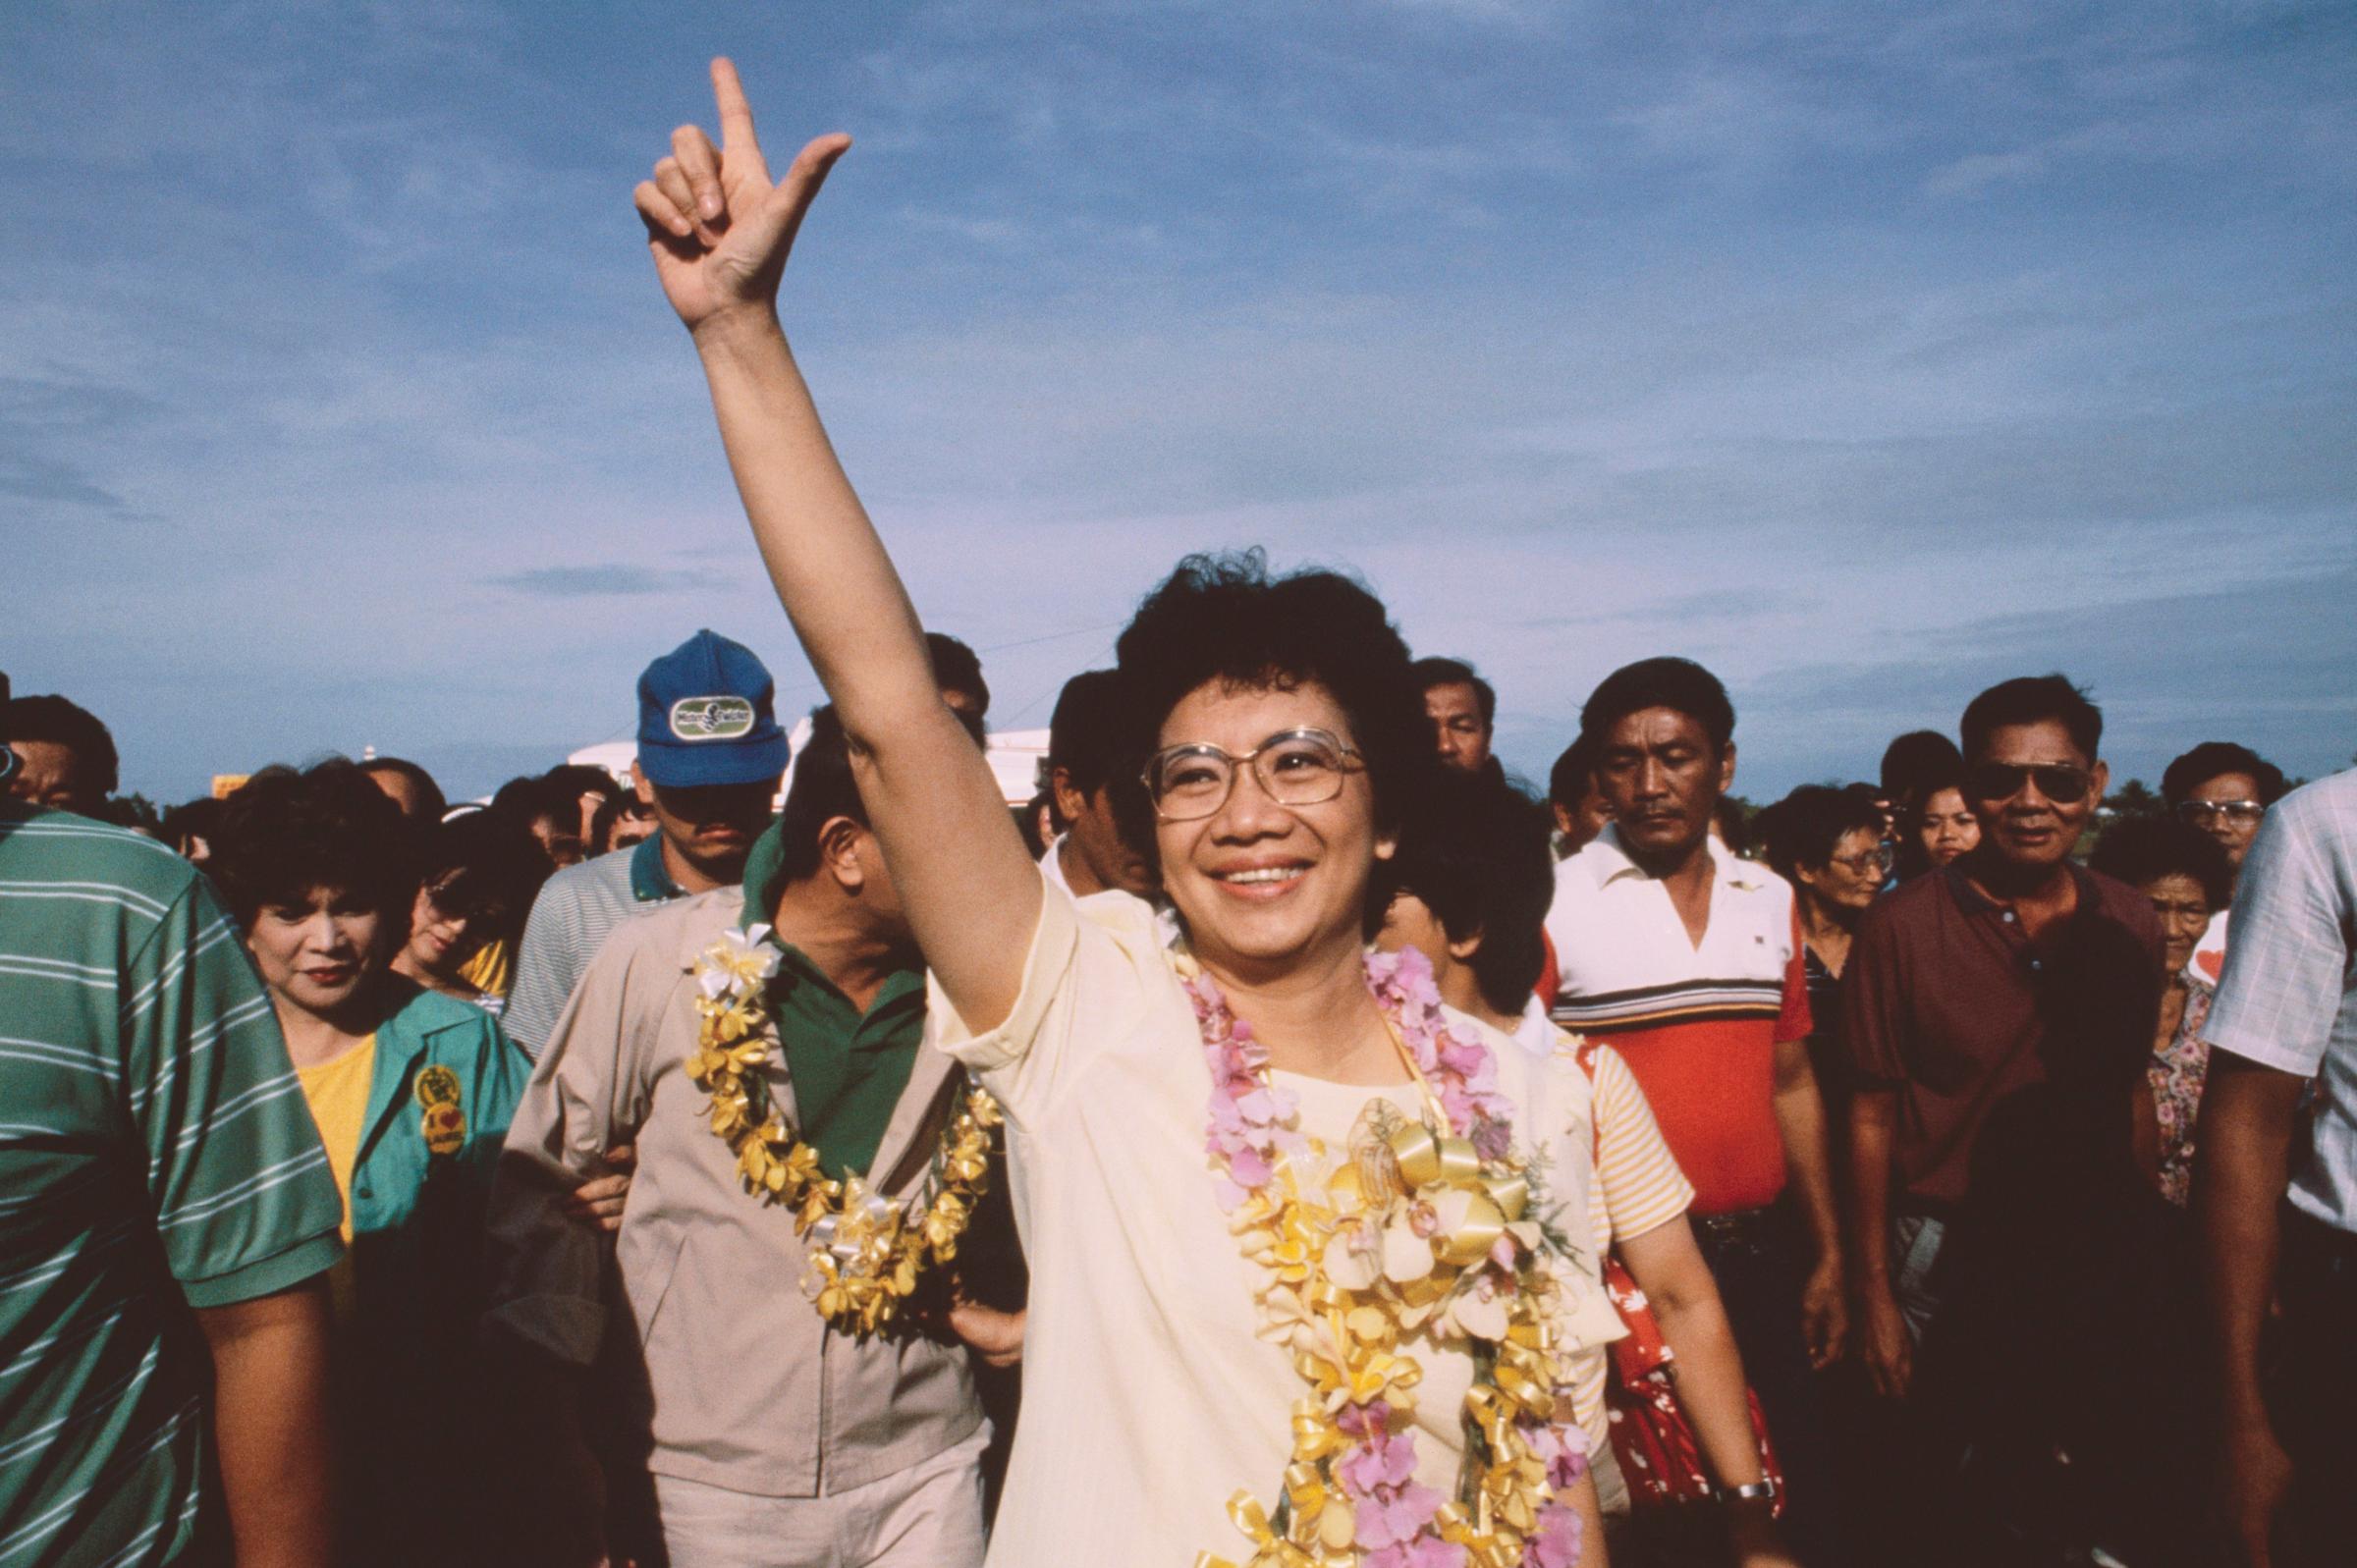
1688,962
2282,1030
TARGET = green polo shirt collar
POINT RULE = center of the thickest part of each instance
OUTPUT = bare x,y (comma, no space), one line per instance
650,879
849,1067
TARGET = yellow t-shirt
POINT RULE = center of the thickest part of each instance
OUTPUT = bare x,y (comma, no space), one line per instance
492,970
338,1093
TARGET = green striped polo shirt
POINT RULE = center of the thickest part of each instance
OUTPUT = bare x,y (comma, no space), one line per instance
155,1155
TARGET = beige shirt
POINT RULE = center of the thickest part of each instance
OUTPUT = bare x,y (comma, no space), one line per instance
747,1387
1149,1397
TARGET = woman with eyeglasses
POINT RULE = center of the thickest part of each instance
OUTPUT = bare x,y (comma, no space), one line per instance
2223,789
1294,1228
1829,844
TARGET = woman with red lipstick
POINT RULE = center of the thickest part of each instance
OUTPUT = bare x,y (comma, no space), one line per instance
1294,1227
413,1092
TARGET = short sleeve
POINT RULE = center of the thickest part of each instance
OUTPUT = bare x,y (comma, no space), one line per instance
2287,967
1021,1059
1871,1034
1793,1020
244,1203
1639,1178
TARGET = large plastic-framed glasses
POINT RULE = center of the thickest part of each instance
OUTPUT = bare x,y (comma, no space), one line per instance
1875,862
1294,767
2198,812
2058,782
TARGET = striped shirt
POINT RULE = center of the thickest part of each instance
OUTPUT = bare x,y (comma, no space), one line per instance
576,911
1698,1024
156,1154
1638,1186
2288,998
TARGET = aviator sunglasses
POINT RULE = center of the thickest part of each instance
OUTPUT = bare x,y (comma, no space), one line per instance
2060,783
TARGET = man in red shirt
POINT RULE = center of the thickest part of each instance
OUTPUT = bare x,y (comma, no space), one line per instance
1998,1014
1688,960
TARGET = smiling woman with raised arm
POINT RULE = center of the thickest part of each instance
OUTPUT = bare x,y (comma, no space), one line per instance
1294,1228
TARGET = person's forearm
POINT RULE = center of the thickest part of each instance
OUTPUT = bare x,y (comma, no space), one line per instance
831,572
1711,1387
1869,1246
1800,1117
971,893
2240,1169
270,1425
1581,1496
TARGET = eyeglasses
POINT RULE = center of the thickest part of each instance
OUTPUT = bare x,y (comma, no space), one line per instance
1876,861
1294,767
2204,811
462,898
2058,782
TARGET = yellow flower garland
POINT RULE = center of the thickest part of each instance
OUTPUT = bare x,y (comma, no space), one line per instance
1348,1346
866,1252
1411,1233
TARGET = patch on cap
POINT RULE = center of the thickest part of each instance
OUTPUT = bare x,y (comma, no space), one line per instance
711,717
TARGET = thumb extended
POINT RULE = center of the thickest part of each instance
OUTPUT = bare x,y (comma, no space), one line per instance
780,216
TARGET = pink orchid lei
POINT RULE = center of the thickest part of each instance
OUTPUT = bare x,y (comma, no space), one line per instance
1351,1497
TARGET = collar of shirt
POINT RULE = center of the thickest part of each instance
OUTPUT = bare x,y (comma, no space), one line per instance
1536,1032
1051,861
764,874
849,1067
650,879
1973,901
1609,862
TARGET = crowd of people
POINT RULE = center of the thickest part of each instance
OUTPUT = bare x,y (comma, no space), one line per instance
1287,1141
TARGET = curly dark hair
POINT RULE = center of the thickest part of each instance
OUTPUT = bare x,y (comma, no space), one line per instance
1224,619
286,832
2139,851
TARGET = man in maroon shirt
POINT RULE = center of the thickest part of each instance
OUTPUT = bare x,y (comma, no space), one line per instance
1998,1014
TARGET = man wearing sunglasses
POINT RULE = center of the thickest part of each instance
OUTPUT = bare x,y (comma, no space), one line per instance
2223,789
1997,1013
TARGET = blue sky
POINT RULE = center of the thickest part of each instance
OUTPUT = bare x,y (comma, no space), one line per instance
1868,353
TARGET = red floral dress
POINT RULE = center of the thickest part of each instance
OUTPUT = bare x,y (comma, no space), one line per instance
2177,1071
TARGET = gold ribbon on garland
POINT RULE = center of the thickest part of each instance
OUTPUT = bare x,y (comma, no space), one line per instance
867,1253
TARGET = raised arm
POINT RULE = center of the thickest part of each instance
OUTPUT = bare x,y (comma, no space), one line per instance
721,231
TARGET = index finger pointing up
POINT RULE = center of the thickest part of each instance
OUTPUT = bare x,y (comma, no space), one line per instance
735,115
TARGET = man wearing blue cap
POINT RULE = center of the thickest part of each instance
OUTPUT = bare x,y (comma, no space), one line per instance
710,755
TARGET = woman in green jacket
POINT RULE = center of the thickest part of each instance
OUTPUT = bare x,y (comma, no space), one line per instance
413,1092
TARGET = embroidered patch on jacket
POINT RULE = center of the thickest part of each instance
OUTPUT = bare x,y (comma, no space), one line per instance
443,1123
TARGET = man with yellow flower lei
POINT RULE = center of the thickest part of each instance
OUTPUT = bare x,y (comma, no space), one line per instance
808,1189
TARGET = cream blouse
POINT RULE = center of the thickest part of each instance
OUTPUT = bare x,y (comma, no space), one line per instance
1149,1399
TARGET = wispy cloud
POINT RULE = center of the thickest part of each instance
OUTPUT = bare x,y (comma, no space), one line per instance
1976,172
1803,338
611,580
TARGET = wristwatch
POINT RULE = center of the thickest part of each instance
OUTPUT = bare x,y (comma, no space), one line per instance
1761,1491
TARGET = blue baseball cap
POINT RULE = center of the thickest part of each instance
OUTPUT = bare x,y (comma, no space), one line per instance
707,715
